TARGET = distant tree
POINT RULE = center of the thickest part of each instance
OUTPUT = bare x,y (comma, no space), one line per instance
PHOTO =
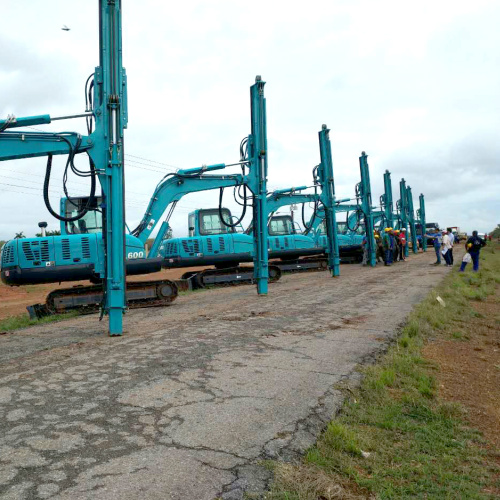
2,243
169,234
19,236
496,232
55,232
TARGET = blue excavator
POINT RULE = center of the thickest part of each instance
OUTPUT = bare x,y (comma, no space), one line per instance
104,253
80,253
214,241
359,218
404,217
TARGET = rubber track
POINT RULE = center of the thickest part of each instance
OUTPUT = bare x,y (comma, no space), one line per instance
98,289
196,277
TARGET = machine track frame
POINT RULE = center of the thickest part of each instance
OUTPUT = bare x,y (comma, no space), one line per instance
232,276
89,299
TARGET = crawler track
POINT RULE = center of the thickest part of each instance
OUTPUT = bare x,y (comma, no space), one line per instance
88,299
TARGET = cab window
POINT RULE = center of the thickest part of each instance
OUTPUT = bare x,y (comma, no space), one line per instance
210,222
281,226
90,223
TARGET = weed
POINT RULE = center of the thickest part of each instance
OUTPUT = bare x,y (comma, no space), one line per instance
23,321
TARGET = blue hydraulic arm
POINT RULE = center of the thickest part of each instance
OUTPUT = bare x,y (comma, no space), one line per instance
283,197
104,147
327,196
176,185
411,219
421,218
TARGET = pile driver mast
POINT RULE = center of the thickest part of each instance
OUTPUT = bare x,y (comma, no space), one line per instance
411,219
402,206
386,200
327,197
366,207
421,218
257,146
104,147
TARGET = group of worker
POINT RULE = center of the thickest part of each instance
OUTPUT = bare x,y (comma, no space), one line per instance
444,241
390,246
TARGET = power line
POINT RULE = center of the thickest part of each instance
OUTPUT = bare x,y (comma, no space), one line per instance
151,161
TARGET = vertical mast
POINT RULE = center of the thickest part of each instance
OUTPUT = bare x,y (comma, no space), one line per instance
411,219
403,207
328,199
110,96
388,205
421,217
366,206
258,166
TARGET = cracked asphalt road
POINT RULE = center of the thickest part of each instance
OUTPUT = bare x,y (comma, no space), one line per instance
189,401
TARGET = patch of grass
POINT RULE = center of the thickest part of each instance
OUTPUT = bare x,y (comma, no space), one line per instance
23,321
394,437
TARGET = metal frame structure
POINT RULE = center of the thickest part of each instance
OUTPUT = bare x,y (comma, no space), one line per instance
104,147
421,217
327,197
366,207
386,202
411,219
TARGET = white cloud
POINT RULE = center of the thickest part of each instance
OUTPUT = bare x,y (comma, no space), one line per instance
414,85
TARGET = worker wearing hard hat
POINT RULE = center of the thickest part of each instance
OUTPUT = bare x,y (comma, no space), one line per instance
395,251
380,247
402,244
388,244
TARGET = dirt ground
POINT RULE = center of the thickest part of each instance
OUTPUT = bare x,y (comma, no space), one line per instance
469,370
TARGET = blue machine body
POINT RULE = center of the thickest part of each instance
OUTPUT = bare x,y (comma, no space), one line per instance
79,253
227,248
359,218
211,242
104,146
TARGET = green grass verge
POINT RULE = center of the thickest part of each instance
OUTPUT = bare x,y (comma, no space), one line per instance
23,321
394,438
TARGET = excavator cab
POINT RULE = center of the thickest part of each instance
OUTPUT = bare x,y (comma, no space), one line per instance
90,223
208,222
281,225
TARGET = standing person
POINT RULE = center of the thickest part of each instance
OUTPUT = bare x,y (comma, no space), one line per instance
445,248
380,248
436,241
364,246
452,241
402,244
395,250
386,242
473,246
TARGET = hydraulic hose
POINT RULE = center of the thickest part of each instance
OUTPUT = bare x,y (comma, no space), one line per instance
358,222
229,224
90,201
308,228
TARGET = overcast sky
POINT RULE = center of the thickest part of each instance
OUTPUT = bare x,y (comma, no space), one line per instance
414,84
